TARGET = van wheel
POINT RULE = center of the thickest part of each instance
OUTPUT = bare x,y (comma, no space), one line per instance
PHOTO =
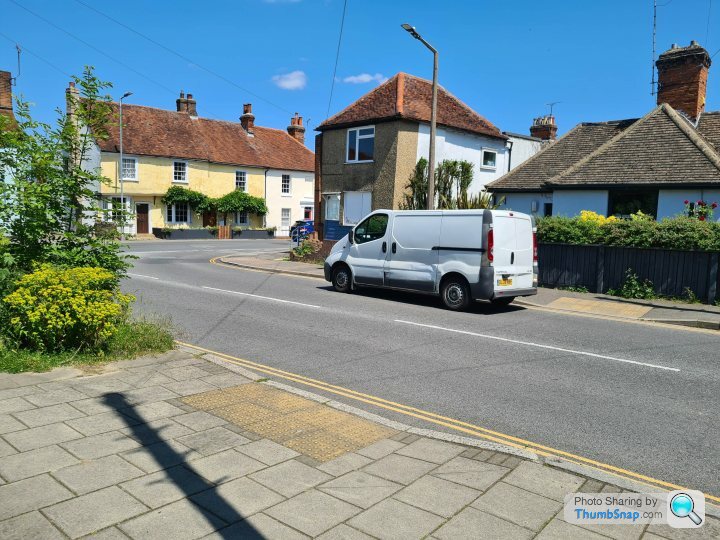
502,302
455,294
341,278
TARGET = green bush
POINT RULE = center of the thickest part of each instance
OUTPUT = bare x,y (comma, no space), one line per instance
53,309
670,233
632,287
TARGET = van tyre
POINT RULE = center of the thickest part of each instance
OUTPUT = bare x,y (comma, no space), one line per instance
455,294
341,278
502,302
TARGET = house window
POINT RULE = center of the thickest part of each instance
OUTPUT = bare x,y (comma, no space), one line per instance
548,209
241,180
356,205
179,171
286,184
623,203
308,212
285,217
114,209
241,218
178,213
360,144
332,207
489,159
129,169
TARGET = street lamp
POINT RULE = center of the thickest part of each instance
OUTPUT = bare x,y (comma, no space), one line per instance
120,171
433,116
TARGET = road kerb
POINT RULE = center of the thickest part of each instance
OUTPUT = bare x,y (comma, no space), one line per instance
221,260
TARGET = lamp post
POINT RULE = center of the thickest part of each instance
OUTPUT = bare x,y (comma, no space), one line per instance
120,172
433,116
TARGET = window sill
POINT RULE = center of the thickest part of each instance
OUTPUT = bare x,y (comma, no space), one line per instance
286,194
357,162
133,180
180,182
486,168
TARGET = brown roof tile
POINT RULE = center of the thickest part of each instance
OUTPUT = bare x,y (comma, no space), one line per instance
409,97
158,132
709,127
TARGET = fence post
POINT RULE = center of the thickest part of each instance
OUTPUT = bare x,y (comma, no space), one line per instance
600,281
713,278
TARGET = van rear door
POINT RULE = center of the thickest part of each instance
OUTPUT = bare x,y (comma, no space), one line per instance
513,252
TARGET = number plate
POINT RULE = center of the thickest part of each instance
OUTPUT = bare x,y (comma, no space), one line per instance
504,282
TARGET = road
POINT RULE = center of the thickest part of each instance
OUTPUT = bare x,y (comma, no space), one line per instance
641,397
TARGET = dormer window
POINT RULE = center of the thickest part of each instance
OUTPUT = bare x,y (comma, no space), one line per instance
360,145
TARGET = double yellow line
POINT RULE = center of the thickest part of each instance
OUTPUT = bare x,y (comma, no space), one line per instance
457,425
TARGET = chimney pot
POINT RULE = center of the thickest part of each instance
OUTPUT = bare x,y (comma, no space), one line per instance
544,128
296,129
693,43
247,120
682,78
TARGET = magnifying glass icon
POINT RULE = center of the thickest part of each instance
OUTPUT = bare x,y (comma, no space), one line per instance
682,505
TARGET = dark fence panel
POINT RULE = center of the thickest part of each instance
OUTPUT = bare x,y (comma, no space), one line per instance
599,268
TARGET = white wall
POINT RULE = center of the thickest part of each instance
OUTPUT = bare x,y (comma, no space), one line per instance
569,203
671,202
522,202
460,145
523,149
302,192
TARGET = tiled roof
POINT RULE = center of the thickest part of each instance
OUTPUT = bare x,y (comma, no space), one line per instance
408,97
555,157
158,132
662,148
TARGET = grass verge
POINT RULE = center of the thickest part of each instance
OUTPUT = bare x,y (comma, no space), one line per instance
134,338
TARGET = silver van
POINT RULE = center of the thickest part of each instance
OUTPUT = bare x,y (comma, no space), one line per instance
462,255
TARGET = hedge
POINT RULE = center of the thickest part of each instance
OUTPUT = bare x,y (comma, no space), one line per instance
671,233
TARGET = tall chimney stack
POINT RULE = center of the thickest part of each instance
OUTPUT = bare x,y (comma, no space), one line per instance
6,104
191,105
296,128
181,102
544,128
248,118
682,78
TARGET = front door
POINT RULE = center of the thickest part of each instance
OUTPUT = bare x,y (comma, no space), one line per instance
367,255
142,211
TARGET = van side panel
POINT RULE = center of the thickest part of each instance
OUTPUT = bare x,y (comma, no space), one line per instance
461,245
413,264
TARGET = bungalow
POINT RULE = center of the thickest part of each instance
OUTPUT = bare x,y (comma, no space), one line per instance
652,164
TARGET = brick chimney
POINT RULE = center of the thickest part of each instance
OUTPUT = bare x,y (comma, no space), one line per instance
248,118
682,78
544,128
186,104
6,103
72,97
296,128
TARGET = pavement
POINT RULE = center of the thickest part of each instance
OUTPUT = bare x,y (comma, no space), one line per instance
657,310
187,445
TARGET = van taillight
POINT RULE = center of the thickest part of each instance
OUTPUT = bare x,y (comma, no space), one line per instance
490,245
535,250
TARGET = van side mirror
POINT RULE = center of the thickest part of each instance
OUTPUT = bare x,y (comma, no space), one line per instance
351,236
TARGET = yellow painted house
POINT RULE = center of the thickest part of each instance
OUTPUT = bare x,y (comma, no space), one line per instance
163,148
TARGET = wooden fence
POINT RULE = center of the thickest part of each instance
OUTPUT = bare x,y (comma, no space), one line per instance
599,268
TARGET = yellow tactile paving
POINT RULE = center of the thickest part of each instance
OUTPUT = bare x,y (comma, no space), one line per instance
599,307
306,426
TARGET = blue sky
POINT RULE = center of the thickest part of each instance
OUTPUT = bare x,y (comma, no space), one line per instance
504,59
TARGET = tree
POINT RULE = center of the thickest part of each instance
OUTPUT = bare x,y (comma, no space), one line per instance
415,196
48,209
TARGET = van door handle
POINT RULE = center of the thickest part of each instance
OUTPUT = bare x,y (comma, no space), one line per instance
394,247
512,258
384,247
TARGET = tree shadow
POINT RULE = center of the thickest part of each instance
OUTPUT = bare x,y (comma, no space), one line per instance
227,521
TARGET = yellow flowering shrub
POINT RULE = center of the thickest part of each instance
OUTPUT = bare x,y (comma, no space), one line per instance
54,309
589,215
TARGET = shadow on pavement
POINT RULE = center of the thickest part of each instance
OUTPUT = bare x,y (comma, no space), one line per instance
232,524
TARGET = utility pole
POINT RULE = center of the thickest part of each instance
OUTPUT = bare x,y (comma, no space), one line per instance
120,172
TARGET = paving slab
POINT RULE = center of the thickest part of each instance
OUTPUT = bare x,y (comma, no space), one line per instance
360,489
101,445
213,440
31,494
258,526
161,455
225,380
471,473
156,431
41,436
710,529
152,411
31,525
312,512
101,423
267,451
431,450
111,533
15,391
53,398
148,394
189,387
544,480
9,424
48,415
237,499
15,404
393,519
34,462
199,420
560,530
380,449
167,486
181,520
6,449
437,496
96,474
519,506
225,466
344,464
401,469
470,521
344,532
290,477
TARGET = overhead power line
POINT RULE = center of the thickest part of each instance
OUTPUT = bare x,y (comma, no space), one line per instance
337,57
182,56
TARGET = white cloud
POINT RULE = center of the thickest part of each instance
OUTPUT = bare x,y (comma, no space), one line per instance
295,80
365,78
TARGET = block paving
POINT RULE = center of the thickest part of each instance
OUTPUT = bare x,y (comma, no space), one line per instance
179,446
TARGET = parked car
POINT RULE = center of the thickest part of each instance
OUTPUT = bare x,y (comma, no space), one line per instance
462,255
301,230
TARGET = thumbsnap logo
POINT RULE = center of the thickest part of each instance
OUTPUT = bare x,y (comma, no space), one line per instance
686,508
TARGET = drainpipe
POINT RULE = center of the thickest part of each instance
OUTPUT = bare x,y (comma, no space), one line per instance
510,147
265,216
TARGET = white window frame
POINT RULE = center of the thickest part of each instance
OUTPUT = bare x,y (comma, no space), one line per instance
244,180
357,144
482,159
336,198
176,181
282,217
108,206
242,223
129,178
312,212
287,193
173,213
